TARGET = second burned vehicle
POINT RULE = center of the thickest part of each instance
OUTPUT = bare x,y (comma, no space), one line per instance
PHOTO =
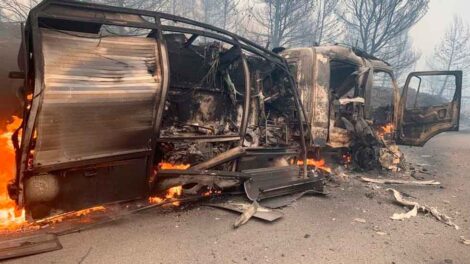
353,102
121,104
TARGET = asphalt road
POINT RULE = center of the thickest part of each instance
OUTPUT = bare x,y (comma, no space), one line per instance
313,230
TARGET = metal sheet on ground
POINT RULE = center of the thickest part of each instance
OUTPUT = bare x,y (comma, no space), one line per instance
282,201
240,207
29,245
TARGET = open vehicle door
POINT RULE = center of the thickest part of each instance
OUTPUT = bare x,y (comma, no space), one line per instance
430,104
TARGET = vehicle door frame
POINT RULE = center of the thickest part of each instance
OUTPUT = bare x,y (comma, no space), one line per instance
456,99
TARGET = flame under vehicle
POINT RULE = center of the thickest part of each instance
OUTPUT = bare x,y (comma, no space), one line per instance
121,104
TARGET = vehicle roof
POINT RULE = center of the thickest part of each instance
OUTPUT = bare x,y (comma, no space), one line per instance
348,54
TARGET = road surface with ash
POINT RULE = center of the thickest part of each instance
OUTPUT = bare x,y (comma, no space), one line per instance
314,229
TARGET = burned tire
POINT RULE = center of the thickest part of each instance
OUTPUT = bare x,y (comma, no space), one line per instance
365,157
41,188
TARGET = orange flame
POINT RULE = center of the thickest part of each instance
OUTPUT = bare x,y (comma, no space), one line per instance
211,192
171,166
385,129
11,217
171,193
60,218
319,164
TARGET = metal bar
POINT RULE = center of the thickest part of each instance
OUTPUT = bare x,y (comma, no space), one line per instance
302,117
99,7
87,162
249,153
220,159
215,173
202,138
163,60
26,143
271,151
191,40
246,96
221,38
97,20
93,6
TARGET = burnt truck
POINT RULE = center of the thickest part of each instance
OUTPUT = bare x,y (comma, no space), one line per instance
121,104
352,101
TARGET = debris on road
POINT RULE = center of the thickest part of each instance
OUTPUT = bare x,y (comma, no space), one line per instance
423,208
360,220
390,157
262,213
245,216
279,181
401,216
393,181
29,245
464,241
286,200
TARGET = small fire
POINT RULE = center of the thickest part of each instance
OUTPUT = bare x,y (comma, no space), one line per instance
319,164
60,218
11,217
172,193
211,192
385,129
171,166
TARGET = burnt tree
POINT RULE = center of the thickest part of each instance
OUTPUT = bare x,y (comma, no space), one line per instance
380,27
327,28
283,22
16,10
453,52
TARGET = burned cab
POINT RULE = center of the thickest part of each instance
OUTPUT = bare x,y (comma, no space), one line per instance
353,103
121,104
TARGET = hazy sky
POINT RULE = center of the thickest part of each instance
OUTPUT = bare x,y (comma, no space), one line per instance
429,30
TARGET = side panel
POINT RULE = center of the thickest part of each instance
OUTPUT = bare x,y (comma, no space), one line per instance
99,97
312,73
95,123
321,100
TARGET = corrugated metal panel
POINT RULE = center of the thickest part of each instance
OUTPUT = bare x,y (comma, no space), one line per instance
99,96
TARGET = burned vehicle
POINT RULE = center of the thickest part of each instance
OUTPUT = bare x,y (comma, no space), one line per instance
353,103
121,104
